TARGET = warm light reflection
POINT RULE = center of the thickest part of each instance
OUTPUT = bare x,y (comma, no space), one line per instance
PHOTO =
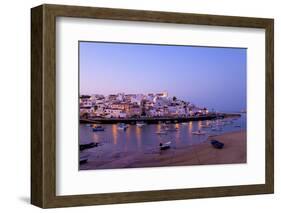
177,126
199,124
114,133
158,127
190,127
95,137
138,136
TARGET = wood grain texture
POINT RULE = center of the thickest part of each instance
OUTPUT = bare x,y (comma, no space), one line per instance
269,120
43,105
36,106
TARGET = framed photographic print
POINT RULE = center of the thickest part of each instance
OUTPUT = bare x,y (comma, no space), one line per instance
137,106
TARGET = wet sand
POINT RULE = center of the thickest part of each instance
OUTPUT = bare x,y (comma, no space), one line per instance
234,151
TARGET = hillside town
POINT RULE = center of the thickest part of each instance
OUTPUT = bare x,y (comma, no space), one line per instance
123,105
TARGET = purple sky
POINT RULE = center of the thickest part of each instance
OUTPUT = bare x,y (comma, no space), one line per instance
206,76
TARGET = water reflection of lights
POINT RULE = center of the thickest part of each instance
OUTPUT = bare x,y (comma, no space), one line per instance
177,126
158,127
138,136
95,137
114,133
190,126
199,124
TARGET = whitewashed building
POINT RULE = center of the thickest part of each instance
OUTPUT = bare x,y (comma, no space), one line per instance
115,113
86,101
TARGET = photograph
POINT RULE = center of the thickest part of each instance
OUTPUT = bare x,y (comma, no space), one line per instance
139,105
160,105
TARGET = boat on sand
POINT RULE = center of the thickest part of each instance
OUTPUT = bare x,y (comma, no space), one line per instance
216,144
164,146
87,146
83,158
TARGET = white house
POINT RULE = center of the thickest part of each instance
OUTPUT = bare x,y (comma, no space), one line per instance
152,112
86,101
115,113
137,99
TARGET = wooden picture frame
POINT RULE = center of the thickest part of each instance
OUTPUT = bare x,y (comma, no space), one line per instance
43,105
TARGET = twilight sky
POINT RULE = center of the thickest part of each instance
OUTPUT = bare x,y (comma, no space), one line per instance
206,76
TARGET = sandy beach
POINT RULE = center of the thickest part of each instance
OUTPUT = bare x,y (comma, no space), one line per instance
234,151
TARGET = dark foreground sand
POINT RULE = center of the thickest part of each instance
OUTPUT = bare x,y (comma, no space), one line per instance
234,151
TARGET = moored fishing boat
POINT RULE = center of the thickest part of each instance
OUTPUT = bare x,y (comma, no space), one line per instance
97,128
161,132
205,126
217,128
164,127
173,129
199,132
140,124
122,126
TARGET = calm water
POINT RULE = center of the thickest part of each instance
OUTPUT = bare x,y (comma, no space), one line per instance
144,140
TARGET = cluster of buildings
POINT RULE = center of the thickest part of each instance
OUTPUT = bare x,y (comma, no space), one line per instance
123,105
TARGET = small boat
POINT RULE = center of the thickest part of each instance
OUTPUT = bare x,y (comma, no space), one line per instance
83,158
140,124
97,128
184,123
87,146
164,146
122,126
205,126
237,126
165,128
216,129
88,125
161,132
172,129
216,144
199,132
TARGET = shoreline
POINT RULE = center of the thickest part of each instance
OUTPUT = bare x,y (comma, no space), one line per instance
155,120
234,152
